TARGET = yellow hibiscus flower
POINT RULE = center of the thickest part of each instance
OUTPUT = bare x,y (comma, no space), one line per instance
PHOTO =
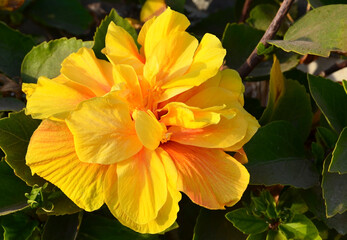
135,131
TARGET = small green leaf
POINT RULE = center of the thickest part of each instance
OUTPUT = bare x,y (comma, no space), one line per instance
261,16
13,47
68,15
15,133
18,226
276,235
12,191
334,190
326,36
95,226
338,161
292,200
289,101
331,99
344,84
262,50
100,34
45,59
300,227
247,223
258,236
276,155
212,224
57,203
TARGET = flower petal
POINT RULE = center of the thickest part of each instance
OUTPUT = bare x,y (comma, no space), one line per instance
165,24
51,155
159,68
167,214
252,128
206,62
84,68
149,130
179,114
54,98
127,82
222,135
120,48
152,8
103,130
210,177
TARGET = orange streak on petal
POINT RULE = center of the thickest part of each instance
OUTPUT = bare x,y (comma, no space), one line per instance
210,177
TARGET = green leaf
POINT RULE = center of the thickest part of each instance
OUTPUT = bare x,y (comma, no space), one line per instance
258,236
292,200
276,156
57,203
239,40
319,3
45,59
344,84
95,226
62,227
334,190
326,36
11,104
339,159
13,47
262,50
12,191
247,223
331,99
327,137
15,133
300,227
289,101
276,235
316,204
287,61
18,226
212,224
68,15
100,34
261,16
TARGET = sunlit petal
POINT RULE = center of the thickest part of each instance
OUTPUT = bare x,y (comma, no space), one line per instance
103,130
54,98
120,48
210,177
84,68
51,155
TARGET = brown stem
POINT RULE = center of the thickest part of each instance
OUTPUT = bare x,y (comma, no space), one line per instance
334,68
254,59
245,10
